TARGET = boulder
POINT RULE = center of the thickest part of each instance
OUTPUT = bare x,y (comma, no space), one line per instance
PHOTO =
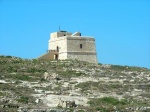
49,76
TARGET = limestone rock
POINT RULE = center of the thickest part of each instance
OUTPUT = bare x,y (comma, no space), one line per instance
49,76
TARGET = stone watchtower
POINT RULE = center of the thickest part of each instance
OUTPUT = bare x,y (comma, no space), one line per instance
65,45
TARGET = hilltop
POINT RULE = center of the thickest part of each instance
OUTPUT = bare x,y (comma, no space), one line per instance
36,84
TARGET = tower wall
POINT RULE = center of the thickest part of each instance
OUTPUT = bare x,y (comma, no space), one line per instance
61,43
81,48
88,44
83,57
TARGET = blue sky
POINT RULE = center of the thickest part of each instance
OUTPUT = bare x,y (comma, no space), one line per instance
121,27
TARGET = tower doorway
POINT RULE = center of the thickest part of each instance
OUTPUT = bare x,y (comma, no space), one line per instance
56,56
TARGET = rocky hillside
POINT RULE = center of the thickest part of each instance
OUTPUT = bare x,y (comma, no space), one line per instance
71,86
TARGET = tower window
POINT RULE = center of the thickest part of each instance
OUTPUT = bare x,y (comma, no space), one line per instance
57,49
80,46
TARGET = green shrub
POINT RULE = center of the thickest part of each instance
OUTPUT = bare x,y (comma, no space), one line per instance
118,67
8,56
69,73
1,94
110,100
23,99
2,56
107,101
101,109
23,77
81,111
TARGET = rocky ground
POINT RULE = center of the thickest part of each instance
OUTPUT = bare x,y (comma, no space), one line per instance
71,86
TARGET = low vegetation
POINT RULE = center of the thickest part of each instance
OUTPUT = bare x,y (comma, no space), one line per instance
107,88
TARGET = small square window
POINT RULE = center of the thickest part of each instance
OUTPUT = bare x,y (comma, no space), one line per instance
80,46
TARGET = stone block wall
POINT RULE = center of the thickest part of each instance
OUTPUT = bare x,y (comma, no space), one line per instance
73,44
82,48
83,57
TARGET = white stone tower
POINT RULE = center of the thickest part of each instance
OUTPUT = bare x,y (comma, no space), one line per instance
65,45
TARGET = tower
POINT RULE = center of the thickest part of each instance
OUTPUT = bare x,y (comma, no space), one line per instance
65,45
